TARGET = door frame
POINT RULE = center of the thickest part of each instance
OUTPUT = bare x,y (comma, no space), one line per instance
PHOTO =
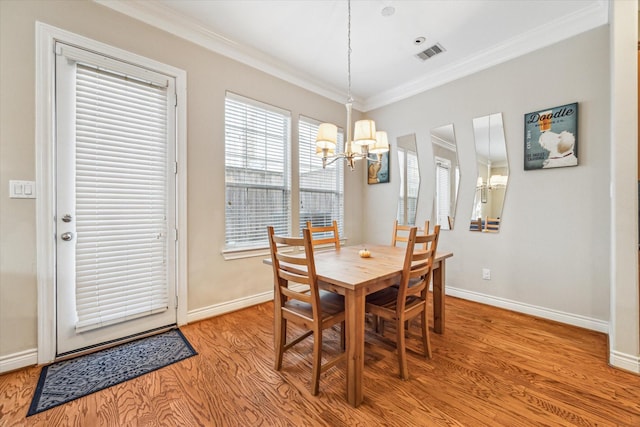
46,36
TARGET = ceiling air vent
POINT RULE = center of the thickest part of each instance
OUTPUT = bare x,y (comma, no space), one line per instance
431,51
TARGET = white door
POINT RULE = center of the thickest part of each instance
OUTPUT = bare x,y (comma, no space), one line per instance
115,199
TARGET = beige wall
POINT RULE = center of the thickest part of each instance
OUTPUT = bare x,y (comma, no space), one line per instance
555,223
211,279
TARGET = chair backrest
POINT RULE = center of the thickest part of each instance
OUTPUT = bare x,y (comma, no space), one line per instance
492,224
418,265
323,239
401,232
292,268
476,225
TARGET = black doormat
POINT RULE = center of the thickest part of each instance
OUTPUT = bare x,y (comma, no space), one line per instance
62,382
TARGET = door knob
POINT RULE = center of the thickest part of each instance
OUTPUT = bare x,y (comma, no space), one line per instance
66,236
66,218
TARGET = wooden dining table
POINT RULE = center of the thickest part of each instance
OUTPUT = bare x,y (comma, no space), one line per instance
343,271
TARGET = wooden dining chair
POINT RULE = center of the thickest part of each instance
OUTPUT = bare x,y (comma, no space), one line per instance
303,304
492,224
400,235
409,299
323,239
401,232
476,225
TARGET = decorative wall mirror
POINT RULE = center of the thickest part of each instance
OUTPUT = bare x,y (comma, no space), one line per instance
409,179
447,168
493,173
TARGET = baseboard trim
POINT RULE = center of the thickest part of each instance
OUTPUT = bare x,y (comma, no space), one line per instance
625,361
228,307
19,360
545,313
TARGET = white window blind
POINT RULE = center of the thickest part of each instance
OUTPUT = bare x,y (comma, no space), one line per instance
409,186
413,185
402,208
321,190
443,192
121,198
257,172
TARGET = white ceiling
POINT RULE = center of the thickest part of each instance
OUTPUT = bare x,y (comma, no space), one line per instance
305,41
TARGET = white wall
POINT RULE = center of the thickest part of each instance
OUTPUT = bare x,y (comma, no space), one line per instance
551,256
624,336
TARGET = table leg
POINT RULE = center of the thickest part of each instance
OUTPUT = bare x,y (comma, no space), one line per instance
354,301
439,273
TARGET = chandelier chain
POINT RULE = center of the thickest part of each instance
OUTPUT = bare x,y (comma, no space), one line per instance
349,97
364,136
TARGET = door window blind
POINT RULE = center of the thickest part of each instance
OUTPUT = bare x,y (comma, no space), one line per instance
121,198
257,172
443,192
321,190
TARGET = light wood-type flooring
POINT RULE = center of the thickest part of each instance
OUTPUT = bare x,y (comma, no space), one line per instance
490,368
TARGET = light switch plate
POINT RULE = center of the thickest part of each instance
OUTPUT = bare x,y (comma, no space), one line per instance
22,189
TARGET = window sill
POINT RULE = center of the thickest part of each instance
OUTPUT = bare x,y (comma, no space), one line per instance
234,254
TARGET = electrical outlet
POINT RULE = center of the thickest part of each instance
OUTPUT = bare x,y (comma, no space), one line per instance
486,274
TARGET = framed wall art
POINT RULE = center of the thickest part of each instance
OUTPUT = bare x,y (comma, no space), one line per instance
551,137
378,170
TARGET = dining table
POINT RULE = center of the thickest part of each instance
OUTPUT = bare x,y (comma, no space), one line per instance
345,272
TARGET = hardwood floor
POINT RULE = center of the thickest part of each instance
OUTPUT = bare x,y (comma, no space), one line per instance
491,368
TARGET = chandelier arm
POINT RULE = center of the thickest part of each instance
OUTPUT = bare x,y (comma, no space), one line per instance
326,162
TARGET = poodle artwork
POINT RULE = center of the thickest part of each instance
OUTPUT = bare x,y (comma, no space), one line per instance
551,138
378,170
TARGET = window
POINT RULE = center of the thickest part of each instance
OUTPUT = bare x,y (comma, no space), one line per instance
321,190
257,172
409,185
443,192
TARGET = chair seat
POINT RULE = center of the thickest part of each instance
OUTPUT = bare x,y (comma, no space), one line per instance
331,304
388,299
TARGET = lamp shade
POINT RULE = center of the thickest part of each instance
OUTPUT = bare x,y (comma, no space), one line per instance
382,143
327,136
364,132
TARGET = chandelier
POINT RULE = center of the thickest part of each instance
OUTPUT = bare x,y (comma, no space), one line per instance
366,140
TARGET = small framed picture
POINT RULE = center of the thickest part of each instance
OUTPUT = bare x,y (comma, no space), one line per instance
551,137
378,170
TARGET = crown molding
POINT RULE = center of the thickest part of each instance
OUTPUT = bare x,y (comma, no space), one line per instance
160,16
441,142
546,35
